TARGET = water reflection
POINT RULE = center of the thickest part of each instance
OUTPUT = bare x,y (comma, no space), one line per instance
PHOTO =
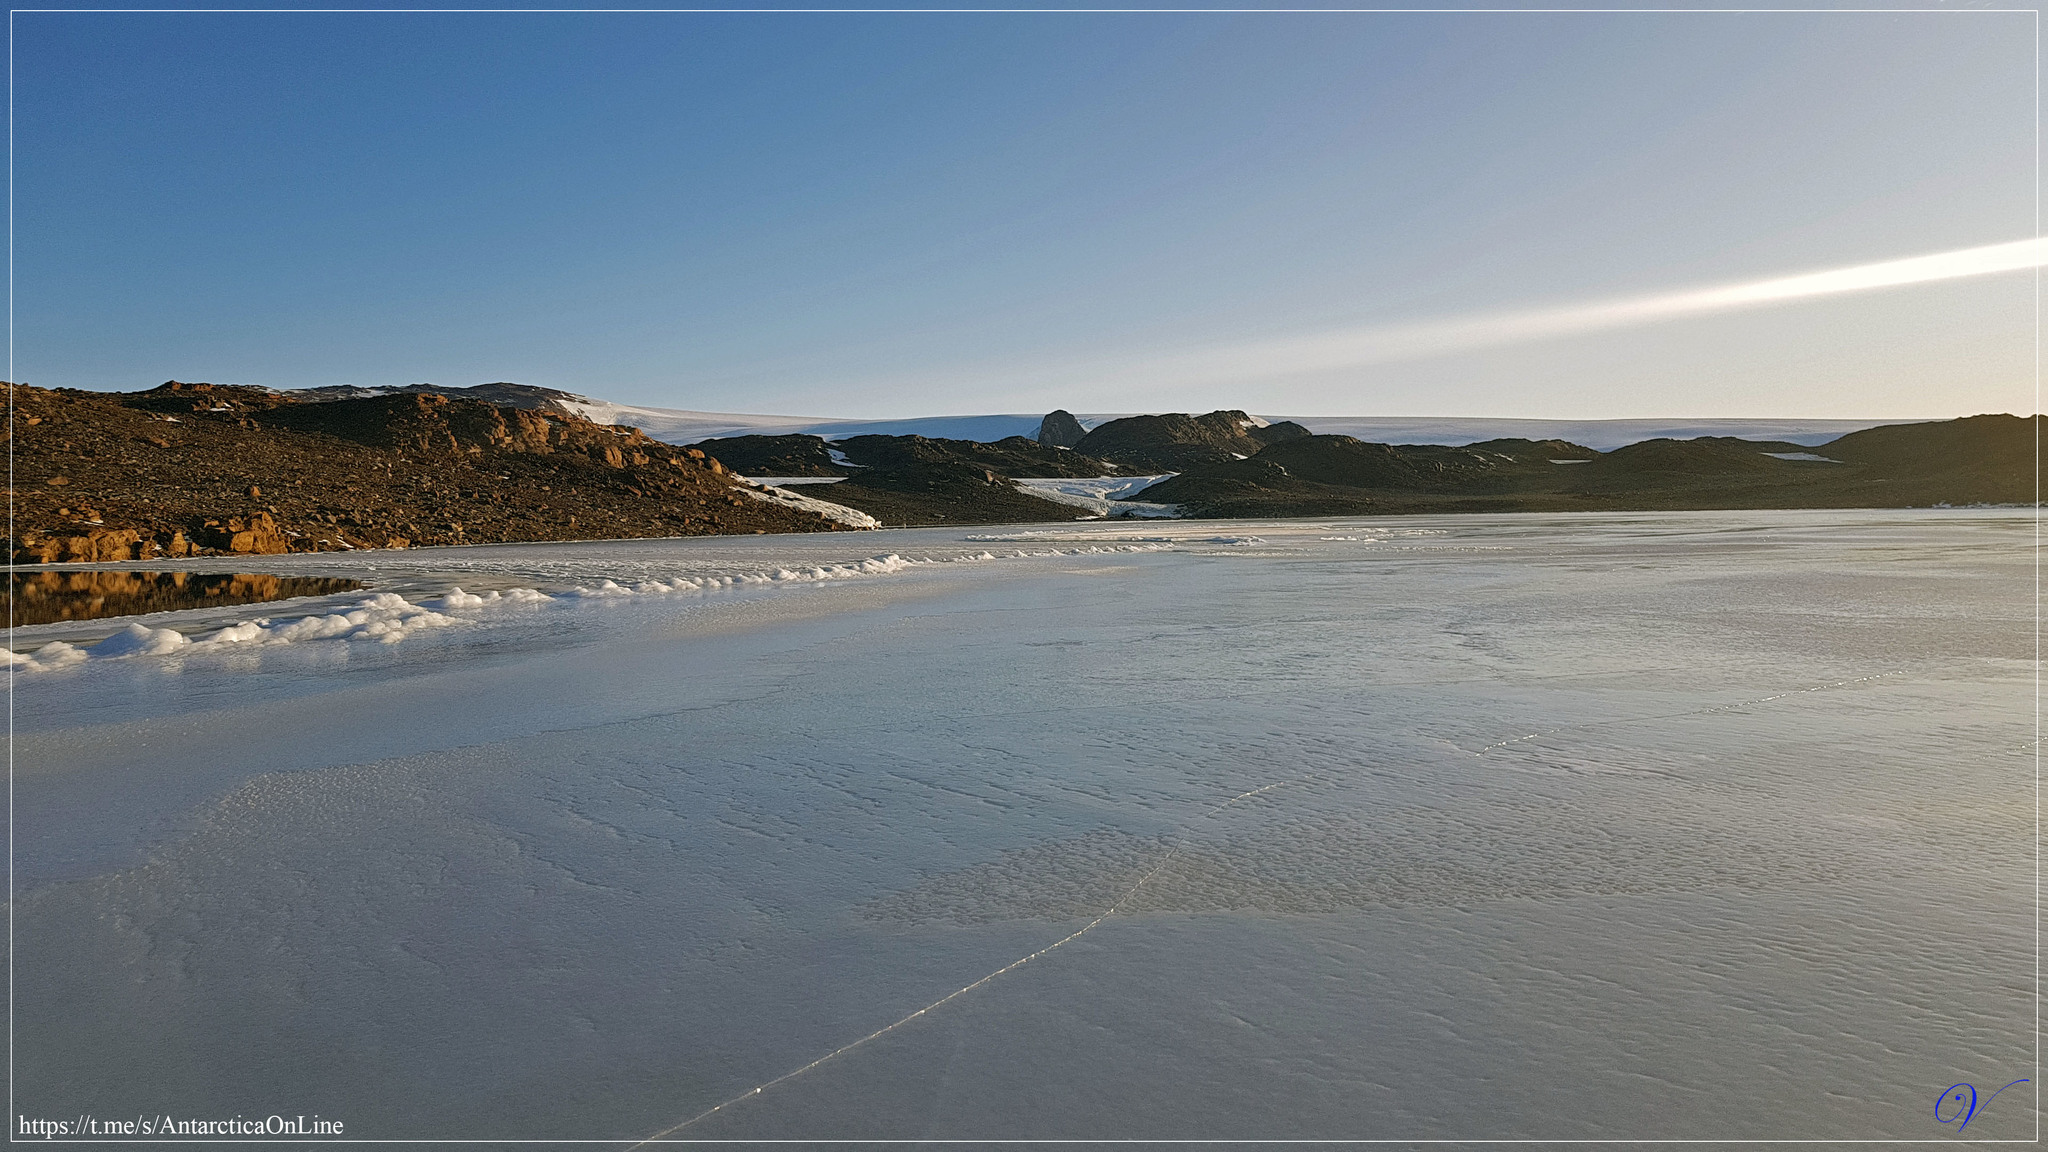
48,597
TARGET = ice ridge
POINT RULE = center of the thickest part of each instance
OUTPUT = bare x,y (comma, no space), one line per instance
389,618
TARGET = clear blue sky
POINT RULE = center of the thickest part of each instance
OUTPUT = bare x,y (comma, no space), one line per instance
882,215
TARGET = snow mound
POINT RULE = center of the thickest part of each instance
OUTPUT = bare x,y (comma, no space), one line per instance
388,618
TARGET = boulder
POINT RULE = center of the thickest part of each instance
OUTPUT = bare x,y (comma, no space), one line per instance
95,547
256,534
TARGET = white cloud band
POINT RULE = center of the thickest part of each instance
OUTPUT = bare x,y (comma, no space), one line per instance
1395,342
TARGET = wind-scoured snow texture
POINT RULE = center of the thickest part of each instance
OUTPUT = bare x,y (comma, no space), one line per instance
839,512
1102,495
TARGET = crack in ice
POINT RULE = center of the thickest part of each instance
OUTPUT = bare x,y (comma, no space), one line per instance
959,992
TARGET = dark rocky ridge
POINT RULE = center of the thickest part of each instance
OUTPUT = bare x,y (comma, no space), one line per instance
1060,429
773,455
918,480
502,393
196,468
1176,441
1013,456
1980,459
804,455
933,494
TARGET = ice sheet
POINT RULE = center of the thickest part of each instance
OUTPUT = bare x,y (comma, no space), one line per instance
1611,826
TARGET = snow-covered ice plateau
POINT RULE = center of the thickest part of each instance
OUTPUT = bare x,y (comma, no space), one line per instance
1621,826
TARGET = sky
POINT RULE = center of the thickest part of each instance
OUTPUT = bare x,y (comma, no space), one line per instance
884,215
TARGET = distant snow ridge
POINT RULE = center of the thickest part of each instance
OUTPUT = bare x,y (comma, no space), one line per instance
389,618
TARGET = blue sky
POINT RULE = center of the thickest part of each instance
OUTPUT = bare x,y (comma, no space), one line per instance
884,215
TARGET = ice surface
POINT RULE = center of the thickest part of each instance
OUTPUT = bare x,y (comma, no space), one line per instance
1103,495
1598,826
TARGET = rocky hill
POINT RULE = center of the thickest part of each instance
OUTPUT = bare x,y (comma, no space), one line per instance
774,455
1176,441
503,393
1060,429
1981,459
195,468
944,494
918,480
802,455
1012,456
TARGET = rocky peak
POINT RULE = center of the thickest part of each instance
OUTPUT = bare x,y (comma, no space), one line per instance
1059,429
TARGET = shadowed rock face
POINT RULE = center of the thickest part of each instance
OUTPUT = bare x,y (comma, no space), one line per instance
1176,441
913,480
502,393
1010,456
796,455
1981,459
945,493
1059,429
48,597
804,455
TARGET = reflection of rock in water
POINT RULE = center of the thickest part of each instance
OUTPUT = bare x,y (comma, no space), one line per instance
47,597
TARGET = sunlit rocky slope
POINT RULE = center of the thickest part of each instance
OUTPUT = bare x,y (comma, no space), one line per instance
188,468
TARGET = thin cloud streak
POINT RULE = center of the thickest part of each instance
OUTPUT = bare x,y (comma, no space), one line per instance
1384,344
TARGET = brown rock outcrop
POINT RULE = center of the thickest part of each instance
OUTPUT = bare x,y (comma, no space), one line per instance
256,534
187,469
94,547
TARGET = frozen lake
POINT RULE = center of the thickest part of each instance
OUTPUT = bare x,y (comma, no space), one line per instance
1704,825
